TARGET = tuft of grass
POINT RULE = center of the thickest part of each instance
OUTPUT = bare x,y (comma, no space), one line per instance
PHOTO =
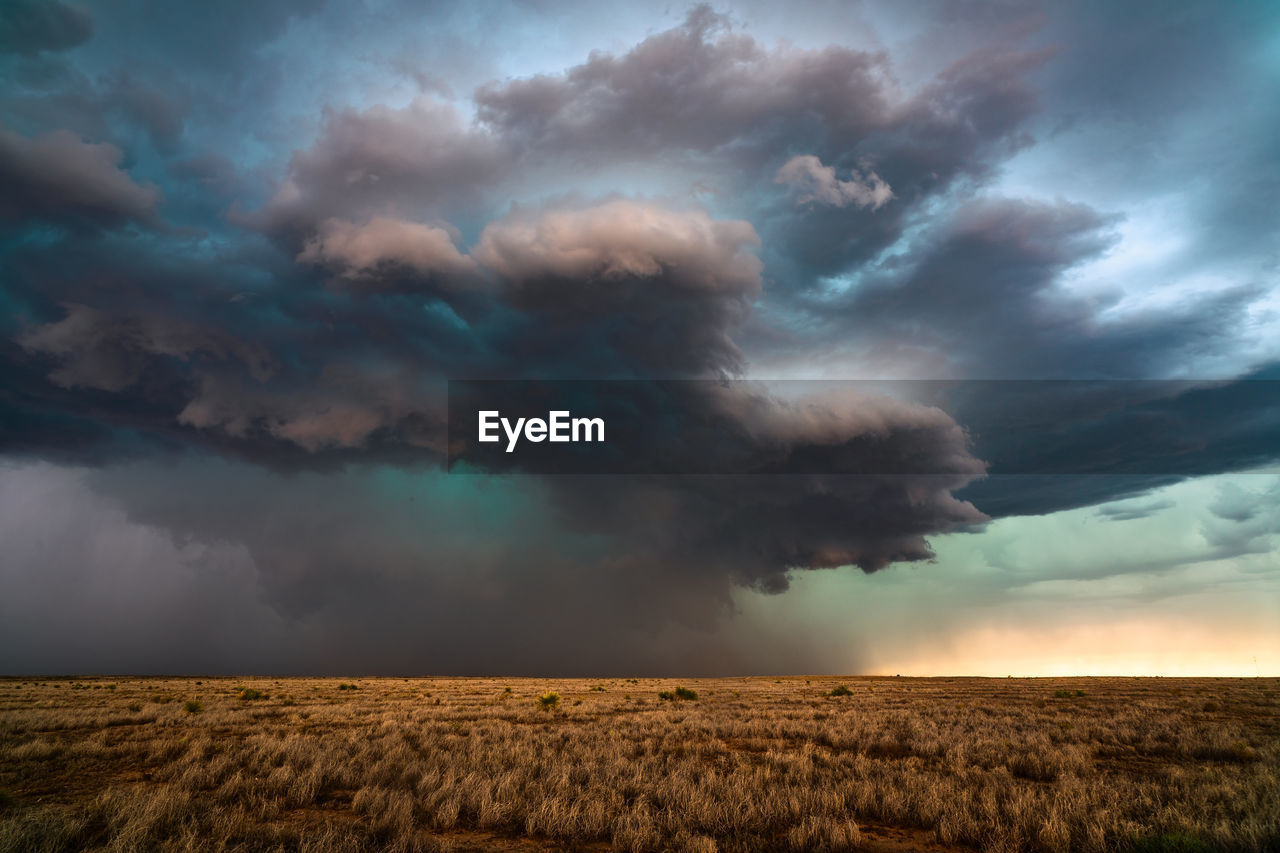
345,686
549,701
1236,751
840,690
678,693
191,706
135,707
1171,842
249,694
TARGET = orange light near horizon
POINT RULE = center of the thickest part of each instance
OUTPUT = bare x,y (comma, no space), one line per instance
1130,648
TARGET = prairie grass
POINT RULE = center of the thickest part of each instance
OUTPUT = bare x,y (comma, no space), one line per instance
752,764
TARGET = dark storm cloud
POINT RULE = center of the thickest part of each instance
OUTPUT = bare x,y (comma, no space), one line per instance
60,178
764,484
34,26
110,354
1063,445
396,577
986,287
1004,496
562,274
756,528
542,295
682,280
982,295
267,372
952,133
561,278
345,407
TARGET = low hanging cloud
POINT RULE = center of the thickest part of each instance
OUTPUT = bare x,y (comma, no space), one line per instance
813,182
564,275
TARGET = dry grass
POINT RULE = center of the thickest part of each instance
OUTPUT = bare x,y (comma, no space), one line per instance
750,764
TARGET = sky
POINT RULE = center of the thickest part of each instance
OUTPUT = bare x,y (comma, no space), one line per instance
245,247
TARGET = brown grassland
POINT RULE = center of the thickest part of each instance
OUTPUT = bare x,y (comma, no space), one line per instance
899,764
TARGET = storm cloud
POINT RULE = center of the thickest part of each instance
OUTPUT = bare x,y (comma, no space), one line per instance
60,178
235,295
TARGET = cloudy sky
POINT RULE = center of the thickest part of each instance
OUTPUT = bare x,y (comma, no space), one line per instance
245,247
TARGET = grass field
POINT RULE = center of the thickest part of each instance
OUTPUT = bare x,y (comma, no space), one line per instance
637,764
